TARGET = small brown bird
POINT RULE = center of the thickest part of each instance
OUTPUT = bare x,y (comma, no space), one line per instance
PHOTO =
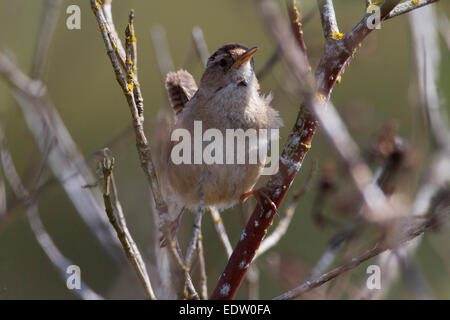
227,98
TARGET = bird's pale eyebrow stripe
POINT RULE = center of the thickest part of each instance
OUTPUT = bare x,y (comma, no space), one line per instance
237,51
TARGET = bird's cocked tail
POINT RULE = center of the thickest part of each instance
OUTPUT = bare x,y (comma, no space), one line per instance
181,87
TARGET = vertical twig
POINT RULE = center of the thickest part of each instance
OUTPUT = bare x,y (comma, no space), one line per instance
328,17
195,239
425,40
195,234
161,48
46,31
175,251
131,64
221,232
252,280
202,265
116,217
111,29
297,27
200,45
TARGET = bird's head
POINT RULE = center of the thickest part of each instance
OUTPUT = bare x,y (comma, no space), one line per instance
231,66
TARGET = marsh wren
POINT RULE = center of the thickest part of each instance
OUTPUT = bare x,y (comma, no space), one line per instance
227,98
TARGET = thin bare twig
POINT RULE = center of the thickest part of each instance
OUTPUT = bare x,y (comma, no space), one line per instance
195,240
200,45
297,29
309,285
220,229
425,39
116,217
175,251
411,230
111,29
408,6
202,265
131,64
328,17
161,48
252,280
46,31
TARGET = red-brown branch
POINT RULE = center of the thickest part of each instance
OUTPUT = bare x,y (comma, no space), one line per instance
337,54
297,28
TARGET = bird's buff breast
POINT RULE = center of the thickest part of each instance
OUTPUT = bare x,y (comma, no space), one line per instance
222,184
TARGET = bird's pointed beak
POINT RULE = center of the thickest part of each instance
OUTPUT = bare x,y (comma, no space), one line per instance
246,56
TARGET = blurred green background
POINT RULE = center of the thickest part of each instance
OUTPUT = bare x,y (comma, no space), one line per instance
378,87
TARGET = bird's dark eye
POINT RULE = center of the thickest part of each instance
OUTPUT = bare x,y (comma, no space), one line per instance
222,62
